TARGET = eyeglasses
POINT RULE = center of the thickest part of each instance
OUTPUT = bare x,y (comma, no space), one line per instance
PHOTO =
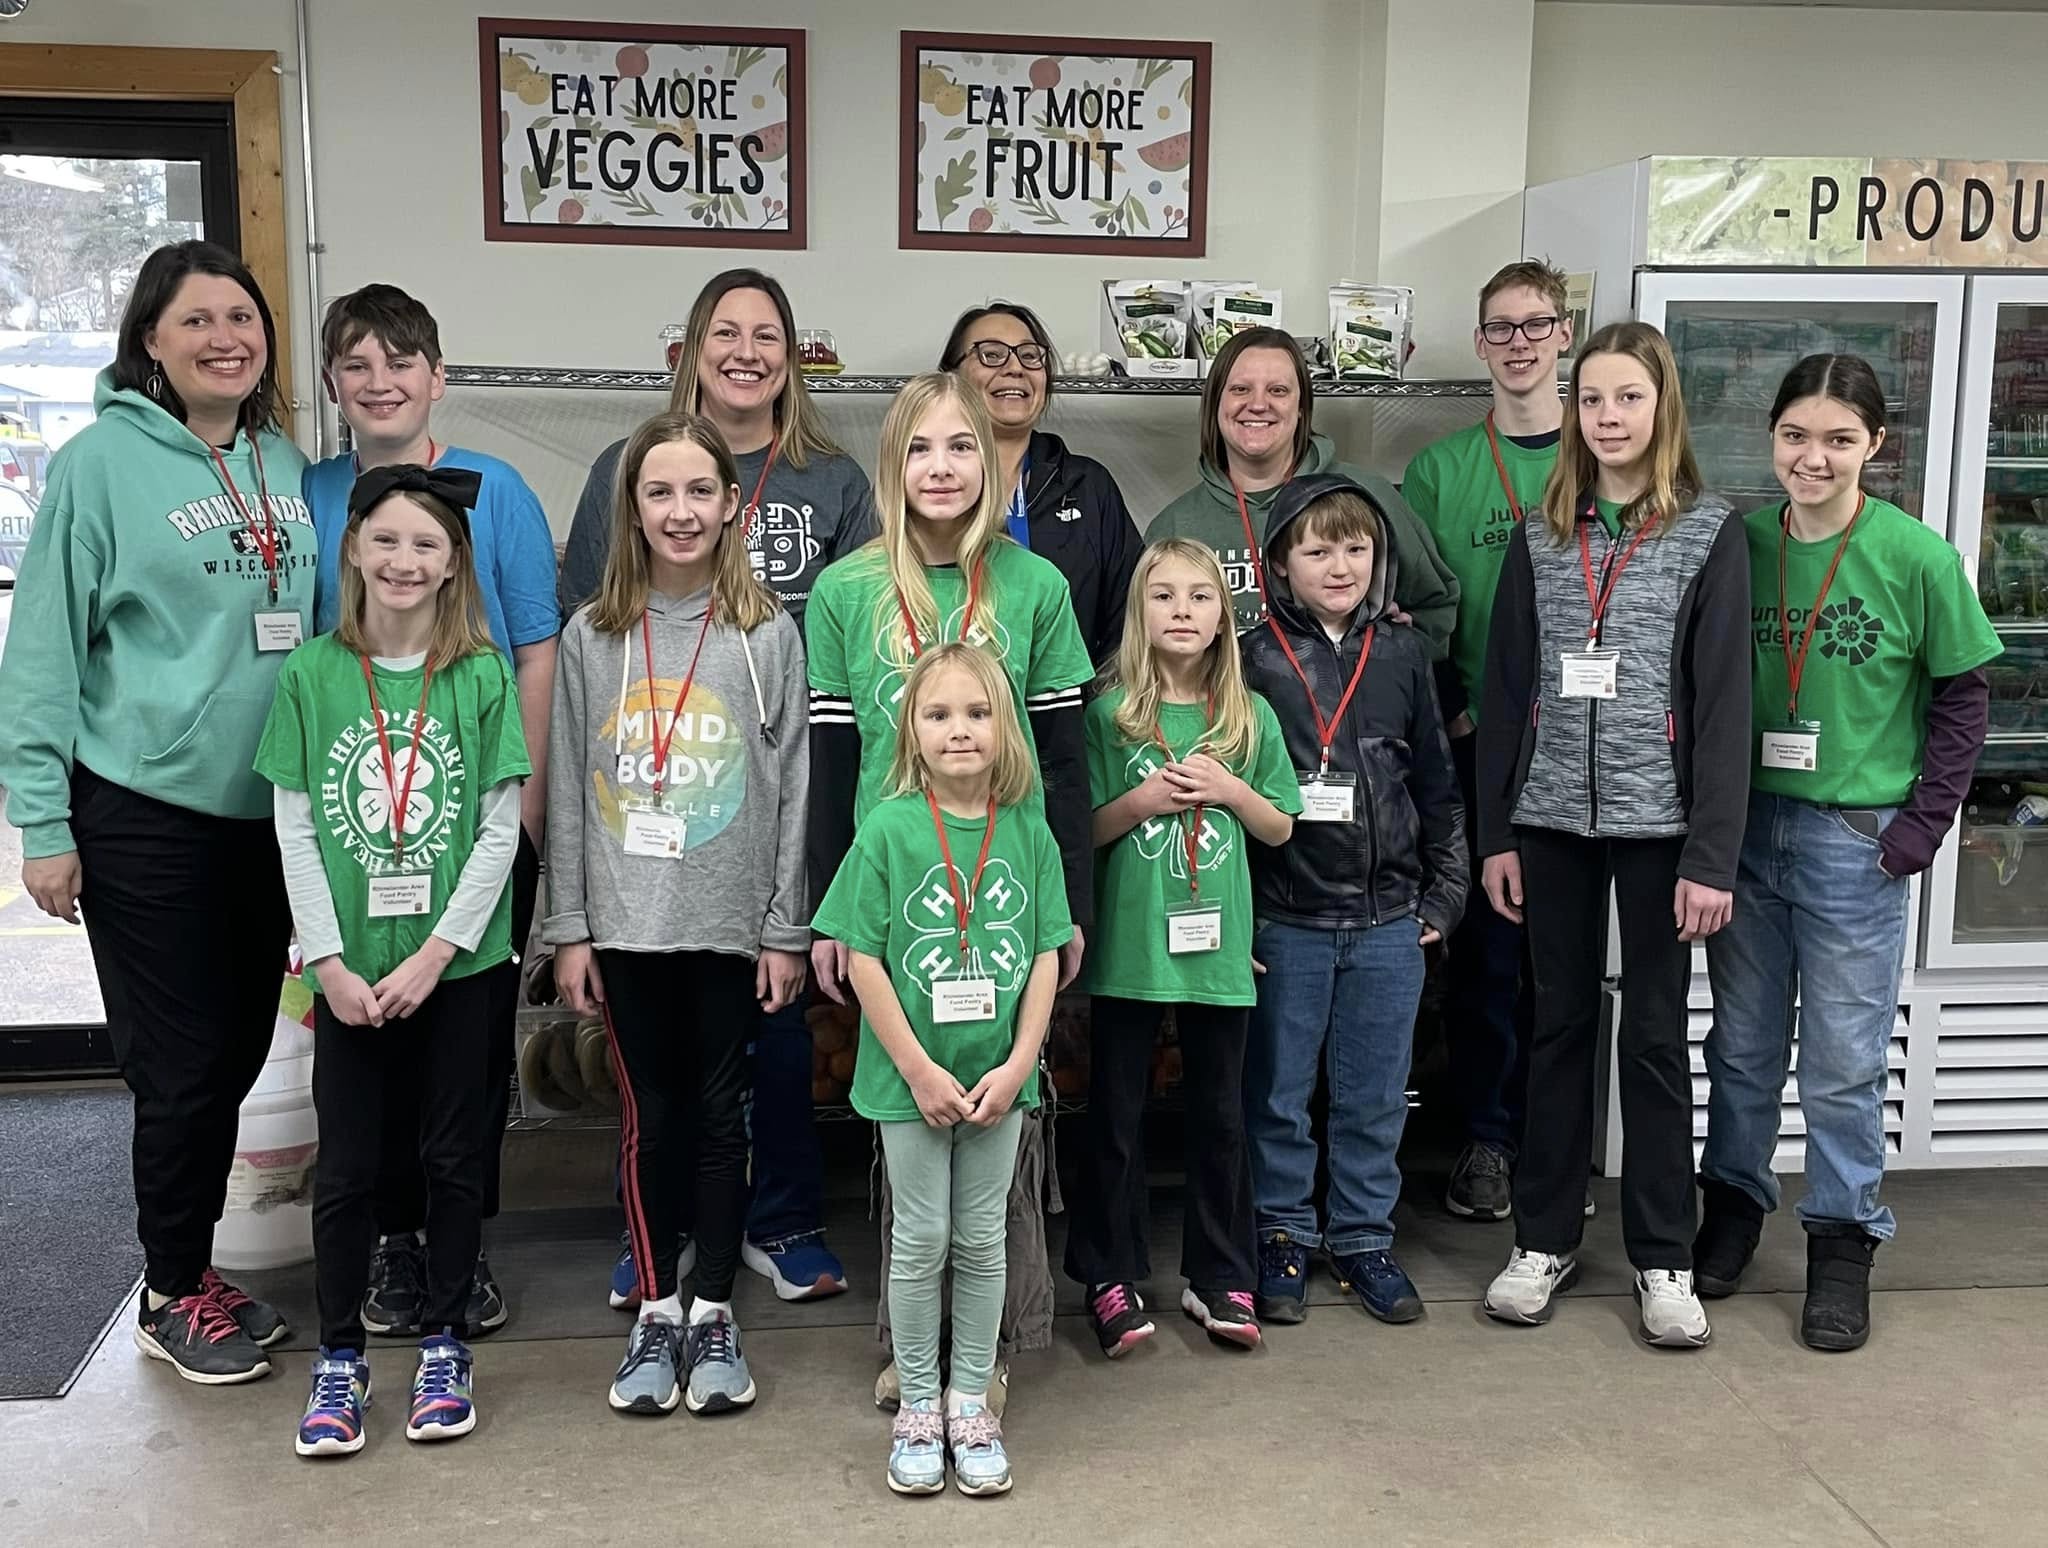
994,355
1531,328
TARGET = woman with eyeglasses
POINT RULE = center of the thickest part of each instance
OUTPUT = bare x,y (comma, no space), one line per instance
1063,506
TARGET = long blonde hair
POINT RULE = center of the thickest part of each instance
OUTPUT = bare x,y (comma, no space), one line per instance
984,524
1232,736
460,628
1674,475
799,430
737,598
1013,773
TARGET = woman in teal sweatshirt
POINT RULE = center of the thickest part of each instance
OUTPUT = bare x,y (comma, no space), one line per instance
169,574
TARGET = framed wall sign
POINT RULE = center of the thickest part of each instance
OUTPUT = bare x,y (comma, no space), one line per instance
614,132
1050,145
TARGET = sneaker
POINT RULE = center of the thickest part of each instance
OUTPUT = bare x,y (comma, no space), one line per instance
974,1446
398,1286
1381,1284
442,1405
1526,1290
646,1382
333,1422
1479,1187
485,1312
917,1448
625,1287
201,1340
1672,1316
1227,1316
1118,1313
1731,1224
1836,1314
719,1379
258,1319
1283,1279
800,1267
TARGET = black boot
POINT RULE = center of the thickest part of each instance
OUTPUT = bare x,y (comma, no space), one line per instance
1730,1223
1837,1310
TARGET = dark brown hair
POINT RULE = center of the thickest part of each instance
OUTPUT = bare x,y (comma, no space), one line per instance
401,324
1214,452
955,352
1848,379
156,286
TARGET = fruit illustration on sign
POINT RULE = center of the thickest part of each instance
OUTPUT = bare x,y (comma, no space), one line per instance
774,141
569,212
1168,155
1045,73
931,80
512,69
981,219
632,61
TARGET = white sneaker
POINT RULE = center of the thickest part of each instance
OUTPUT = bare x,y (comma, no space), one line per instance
1671,1313
1524,1290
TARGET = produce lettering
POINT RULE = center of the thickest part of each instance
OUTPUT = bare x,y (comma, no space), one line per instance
1069,160
621,159
1925,208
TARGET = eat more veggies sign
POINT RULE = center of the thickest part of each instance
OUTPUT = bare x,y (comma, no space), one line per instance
1052,144
611,132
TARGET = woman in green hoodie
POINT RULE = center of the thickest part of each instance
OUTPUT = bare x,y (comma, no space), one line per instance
1257,433
170,573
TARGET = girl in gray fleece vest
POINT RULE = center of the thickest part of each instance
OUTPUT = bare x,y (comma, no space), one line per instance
1614,747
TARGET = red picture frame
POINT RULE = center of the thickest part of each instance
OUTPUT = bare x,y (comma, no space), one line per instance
911,235
492,30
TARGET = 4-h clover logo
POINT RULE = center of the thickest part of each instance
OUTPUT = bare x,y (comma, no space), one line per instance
366,794
892,643
1157,836
997,948
1848,629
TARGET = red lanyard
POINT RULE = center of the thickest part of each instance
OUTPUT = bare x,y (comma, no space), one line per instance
399,795
966,619
433,456
1251,543
1500,467
753,506
1610,573
1795,666
962,904
663,739
1191,831
265,538
1326,730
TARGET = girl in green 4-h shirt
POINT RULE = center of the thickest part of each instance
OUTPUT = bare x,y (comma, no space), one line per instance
396,750
952,905
1184,763
1870,706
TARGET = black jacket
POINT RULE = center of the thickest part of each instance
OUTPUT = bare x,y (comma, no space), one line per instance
1404,851
1078,520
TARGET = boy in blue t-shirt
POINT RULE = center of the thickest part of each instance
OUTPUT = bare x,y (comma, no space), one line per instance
381,361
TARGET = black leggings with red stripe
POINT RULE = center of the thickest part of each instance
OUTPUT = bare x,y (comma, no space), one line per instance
680,1021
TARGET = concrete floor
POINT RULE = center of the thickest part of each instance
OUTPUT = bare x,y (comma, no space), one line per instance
1450,1431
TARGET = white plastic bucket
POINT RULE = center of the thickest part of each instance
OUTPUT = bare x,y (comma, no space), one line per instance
269,1218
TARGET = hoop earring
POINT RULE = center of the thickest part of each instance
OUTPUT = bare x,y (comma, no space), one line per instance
155,385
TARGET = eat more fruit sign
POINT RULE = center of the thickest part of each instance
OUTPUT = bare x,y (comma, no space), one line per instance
613,132
1041,144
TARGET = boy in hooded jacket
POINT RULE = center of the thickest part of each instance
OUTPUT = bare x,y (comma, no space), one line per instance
1375,870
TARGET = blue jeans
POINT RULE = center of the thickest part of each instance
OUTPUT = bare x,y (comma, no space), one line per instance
1344,999
1818,925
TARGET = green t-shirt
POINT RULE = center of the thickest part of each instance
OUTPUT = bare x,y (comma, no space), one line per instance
854,638
1455,489
1609,512
320,739
1900,614
1143,873
892,900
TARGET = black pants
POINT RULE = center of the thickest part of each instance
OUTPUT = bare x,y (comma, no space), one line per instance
1564,882
1111,1217
188,923
420,1075
402,1186
679,1023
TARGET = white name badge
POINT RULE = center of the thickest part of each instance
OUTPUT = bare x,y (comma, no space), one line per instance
1588,674
279,631
401,896
1328,797
1194,929
659,834
963,999
1795,747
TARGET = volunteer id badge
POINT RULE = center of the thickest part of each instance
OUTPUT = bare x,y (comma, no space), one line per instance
402,895
655,833
1588,674
279,631
1797,746
1328,797
1193,926
963,999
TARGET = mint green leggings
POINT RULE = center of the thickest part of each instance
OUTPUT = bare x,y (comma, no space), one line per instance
950,1189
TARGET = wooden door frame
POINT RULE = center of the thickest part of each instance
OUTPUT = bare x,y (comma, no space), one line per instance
247,78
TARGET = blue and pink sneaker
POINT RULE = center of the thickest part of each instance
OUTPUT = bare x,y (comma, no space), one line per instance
442,1408
1227,1316
333,1424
